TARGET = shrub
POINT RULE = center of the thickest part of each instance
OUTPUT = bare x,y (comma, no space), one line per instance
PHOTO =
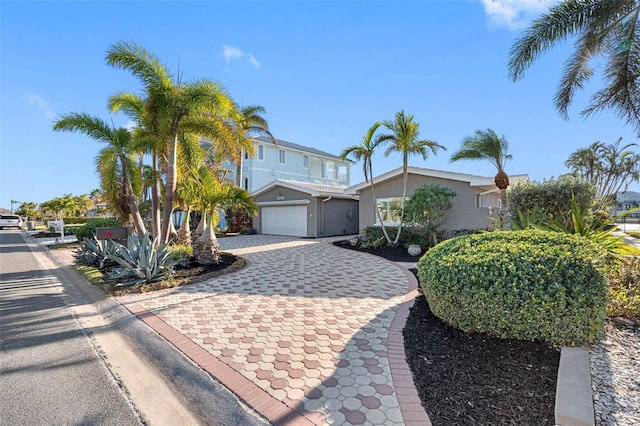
427,210
88,230
182,253
624,289
527,285
551,197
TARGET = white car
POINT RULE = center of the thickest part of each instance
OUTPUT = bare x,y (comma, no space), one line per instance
10,221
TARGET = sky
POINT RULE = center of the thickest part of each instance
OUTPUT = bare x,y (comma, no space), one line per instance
325,71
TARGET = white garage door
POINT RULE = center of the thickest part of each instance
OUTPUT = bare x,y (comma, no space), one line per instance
289,220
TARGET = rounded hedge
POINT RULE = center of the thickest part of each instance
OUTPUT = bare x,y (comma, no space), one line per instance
527,285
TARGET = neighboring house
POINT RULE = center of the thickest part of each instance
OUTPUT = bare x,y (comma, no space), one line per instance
477,198
626,201
305,209
290,161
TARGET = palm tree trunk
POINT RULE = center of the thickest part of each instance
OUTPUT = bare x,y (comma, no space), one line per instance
375,206
184,233
138,223
207,250
155,199
170,189
504,209
405,178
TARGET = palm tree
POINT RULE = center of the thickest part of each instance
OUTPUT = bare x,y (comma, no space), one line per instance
608,167
487,145
364,152
115,163
214,197
603,28
405,139
201,107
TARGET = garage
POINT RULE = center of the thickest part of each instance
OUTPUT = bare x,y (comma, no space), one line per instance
284,220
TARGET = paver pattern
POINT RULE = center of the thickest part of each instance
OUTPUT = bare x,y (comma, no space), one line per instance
306,323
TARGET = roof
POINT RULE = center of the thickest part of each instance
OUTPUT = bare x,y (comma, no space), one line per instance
302,148
473,180
313,189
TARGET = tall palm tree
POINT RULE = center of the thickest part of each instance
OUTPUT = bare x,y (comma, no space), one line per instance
201,107
405,139
487,145
115,163
364,152
600,28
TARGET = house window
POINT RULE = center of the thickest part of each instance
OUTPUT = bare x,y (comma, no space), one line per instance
390,209
305,161
281,156
246,155
260,152
330,170
246,183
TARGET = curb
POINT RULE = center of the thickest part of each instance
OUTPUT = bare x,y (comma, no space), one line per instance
207,399
574,401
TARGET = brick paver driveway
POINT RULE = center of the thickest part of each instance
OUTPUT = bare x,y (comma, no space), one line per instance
306,333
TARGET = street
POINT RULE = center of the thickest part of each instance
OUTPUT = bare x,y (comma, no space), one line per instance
50,373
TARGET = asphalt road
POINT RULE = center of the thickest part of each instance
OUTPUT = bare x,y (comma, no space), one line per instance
50,373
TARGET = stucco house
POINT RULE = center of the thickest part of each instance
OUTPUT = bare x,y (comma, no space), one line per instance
291,161
477,198
305,209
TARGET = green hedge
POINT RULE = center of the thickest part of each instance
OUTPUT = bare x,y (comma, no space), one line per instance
527,285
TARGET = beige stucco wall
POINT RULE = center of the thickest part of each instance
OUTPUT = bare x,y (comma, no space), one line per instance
463,213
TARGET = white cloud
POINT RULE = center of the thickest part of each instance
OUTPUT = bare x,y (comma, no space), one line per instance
40,103
231,52
514,14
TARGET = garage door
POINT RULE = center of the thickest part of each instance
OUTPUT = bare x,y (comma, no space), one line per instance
289,220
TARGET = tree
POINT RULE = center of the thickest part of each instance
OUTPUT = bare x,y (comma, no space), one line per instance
405,139
427,208
201,107
214,197
364,152
115,162
27,209
600,28
608,167
487,145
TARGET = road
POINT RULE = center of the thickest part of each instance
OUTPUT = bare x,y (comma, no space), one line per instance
50,372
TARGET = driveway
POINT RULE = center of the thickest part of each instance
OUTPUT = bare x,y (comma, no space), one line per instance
307,333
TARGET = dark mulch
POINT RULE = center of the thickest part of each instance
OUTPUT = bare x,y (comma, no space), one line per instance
396,254
473,379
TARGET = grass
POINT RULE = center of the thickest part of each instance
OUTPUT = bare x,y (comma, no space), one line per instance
634,234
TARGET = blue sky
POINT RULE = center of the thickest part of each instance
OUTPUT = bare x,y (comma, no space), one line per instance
324,71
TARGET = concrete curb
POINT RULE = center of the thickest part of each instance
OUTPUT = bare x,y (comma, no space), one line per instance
208,400
574,400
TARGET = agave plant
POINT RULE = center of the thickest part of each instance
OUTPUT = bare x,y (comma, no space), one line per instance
142,261
94,252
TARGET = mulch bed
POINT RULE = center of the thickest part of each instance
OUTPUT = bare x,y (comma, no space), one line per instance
473,379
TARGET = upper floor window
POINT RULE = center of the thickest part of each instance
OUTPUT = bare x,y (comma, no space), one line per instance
305,161
246,155
260,152
246,183
281,156
330,170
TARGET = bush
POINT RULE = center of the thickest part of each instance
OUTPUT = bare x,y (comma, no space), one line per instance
182,253
527,285
88,230
551,198
624,289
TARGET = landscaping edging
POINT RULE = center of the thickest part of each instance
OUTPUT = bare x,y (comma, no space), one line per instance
574,400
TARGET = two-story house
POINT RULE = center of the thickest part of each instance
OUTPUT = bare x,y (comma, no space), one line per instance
290,161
